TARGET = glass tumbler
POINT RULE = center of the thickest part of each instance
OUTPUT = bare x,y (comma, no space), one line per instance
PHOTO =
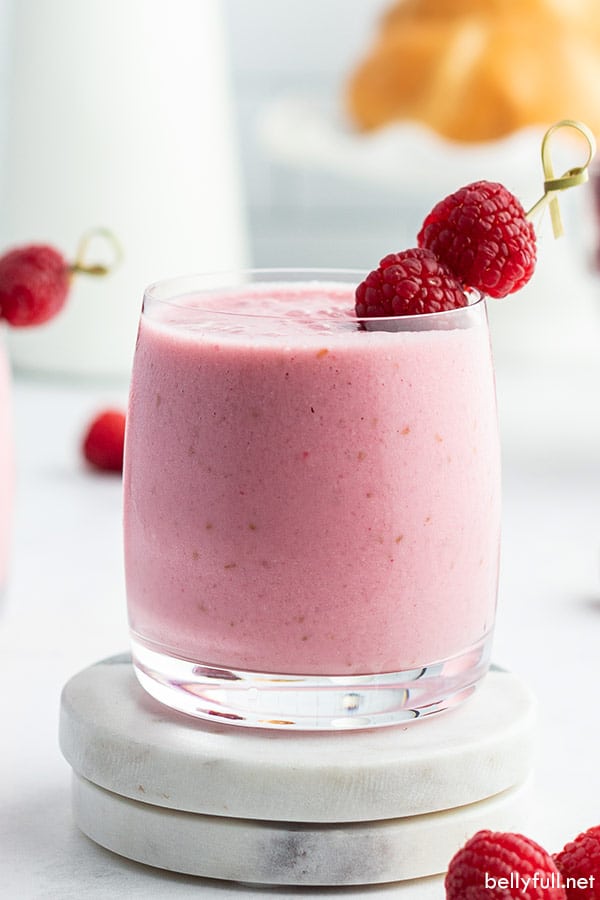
312,503
6,464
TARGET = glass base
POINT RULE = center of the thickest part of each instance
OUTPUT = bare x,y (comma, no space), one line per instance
312,702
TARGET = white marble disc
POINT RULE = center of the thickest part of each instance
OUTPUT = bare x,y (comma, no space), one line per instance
287,853
116,736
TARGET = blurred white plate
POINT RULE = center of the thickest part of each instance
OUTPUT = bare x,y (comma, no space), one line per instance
302,131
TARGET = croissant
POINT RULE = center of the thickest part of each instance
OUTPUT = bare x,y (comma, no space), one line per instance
477,70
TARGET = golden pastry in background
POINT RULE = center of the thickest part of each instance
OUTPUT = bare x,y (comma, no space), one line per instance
478,70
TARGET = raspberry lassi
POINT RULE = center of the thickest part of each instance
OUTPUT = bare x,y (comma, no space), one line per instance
307,497
6,465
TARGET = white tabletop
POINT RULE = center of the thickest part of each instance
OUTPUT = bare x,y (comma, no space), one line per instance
65,608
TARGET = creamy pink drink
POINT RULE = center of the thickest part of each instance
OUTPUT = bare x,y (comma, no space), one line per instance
305,496
6,465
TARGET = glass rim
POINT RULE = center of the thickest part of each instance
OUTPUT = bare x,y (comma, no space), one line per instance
303,276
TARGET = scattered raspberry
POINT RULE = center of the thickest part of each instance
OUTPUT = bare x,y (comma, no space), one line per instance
497,865
580,861
481,233
408,284
104,441
34,282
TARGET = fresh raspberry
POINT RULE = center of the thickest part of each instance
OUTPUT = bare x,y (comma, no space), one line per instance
409,283
34,282
481,233
500,865
104,441
580,860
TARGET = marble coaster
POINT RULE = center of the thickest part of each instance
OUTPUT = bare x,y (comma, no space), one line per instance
114,735
284,808
285,853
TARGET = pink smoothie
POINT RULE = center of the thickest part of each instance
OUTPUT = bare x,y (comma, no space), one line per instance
6,465
304,496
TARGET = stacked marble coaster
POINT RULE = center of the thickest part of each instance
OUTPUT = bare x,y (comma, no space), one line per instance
265,807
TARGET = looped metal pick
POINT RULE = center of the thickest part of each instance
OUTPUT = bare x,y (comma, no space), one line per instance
80,264
571,178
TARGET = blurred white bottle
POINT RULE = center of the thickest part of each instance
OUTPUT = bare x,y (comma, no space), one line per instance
120,116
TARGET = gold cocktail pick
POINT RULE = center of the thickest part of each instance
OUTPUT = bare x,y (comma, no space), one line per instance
572,177
80,264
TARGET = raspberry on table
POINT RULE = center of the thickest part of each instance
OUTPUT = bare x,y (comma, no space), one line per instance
501,865
34,283
409,283
482,234
579,861
104,441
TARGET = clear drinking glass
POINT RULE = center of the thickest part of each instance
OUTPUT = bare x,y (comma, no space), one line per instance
312,503
6,464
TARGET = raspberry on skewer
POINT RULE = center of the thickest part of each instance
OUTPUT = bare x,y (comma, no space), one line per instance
478,237
482,234
409,283
34,283
35,279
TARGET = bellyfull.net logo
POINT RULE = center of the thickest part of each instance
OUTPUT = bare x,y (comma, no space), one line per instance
542,880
